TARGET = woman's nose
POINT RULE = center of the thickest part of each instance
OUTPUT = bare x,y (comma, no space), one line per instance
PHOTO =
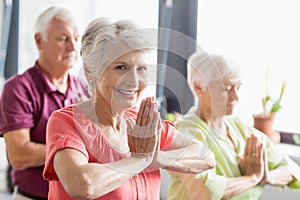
234,94
132,78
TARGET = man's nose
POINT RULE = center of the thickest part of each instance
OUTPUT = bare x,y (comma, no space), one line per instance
72,44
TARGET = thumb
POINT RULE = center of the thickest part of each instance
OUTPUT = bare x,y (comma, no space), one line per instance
130,125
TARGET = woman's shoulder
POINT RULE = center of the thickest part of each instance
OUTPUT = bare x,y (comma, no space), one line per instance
190,119
69,112
191,124
234,120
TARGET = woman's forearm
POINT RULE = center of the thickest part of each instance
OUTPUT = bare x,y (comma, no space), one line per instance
112,174
190,159
91,180
240,184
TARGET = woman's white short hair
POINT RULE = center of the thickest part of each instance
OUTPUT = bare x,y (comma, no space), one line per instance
202,68
44,19
102,41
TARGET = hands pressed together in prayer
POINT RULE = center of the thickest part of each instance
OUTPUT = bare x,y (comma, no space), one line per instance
144,134
254,161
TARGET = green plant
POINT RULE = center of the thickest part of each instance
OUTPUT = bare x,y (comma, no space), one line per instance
272,106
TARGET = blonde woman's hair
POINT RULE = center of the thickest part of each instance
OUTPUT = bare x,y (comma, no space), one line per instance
101,40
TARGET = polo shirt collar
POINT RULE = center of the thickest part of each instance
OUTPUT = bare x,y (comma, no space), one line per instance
49,87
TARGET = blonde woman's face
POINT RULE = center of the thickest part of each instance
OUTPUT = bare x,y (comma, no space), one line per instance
123,81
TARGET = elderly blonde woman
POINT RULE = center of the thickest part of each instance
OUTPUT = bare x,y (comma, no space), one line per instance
110,146
246,160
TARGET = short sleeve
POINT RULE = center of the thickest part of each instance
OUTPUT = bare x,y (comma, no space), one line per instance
295,169
214,184
206,185
277,159
167,134
16,107
61,134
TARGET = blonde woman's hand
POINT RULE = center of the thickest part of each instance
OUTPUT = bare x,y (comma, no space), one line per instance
144,134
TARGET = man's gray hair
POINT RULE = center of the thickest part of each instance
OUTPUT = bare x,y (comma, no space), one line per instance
44,19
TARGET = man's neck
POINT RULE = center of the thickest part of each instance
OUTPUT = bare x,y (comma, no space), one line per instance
57,79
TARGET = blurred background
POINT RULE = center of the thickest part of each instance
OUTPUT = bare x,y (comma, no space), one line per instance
261,35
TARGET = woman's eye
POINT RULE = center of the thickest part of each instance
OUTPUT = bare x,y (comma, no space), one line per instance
120,67
232,87
227,88
142,68
77,39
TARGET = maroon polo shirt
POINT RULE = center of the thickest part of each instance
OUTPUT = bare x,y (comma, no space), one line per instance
27,100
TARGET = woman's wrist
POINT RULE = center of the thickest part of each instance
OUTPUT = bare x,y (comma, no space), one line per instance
256,179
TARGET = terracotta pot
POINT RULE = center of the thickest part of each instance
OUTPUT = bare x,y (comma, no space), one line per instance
264,123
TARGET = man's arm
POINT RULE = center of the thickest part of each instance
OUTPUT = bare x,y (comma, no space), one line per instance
22,152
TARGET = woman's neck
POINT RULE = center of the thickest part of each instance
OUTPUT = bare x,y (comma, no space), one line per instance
105,115
214,121
206,115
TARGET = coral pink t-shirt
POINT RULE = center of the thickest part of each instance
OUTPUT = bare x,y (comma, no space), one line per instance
71,128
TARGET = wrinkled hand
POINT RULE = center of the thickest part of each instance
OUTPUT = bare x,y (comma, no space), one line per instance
252,163
144,134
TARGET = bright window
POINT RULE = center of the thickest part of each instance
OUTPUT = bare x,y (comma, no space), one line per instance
259,35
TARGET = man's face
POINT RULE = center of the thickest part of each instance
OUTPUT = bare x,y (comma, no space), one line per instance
59,50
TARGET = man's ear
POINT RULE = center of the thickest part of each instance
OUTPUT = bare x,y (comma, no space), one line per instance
38,40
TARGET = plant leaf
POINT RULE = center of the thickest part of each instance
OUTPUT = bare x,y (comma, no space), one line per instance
276,106
282,90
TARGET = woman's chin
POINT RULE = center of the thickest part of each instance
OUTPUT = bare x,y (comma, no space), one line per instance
123,103
229,112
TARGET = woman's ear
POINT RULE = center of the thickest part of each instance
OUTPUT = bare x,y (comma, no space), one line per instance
197,88
86,72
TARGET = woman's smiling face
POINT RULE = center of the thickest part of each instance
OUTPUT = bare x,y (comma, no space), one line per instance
121,84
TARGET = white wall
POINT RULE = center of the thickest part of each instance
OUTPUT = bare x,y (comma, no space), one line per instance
259,35
3,165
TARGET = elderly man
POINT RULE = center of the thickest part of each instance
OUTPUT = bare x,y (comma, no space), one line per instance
28,99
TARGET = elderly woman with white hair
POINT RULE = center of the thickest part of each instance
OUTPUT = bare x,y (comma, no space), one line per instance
111,146
246,160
